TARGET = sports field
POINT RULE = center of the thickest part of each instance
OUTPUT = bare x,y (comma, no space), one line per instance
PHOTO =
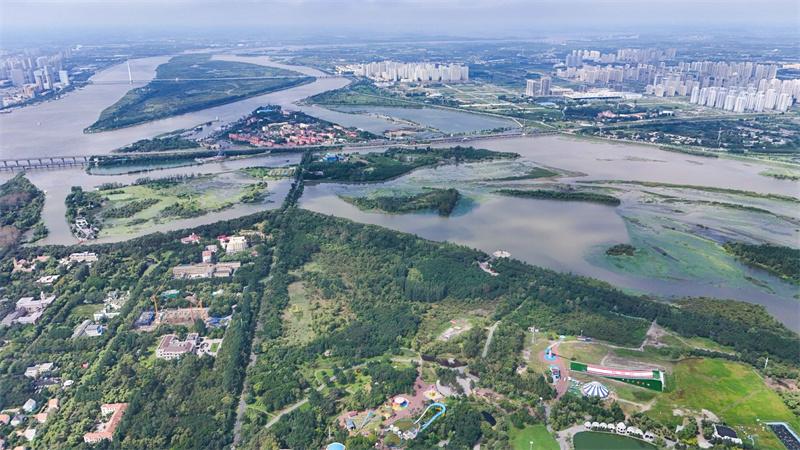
538,434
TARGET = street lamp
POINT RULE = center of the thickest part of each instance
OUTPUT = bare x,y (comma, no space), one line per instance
531,445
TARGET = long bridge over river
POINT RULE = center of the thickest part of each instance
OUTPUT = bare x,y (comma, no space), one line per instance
48,162
62,162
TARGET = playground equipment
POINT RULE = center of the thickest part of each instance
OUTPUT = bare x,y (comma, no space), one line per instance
549,355
441,411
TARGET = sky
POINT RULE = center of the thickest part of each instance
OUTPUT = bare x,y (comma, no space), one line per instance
475,18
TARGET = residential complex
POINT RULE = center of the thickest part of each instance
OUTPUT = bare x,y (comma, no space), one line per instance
392,71
741,86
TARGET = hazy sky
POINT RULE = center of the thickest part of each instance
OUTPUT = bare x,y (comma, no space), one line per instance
480,18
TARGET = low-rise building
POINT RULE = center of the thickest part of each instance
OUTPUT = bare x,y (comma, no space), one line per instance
87,328
38,370
235,244
81,257
145,319
205,270
47,279
105,430
170,347
190,239
29,406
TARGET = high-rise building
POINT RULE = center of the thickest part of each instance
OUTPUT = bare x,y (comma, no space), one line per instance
530,88
18,77
695,97
544,84
63,78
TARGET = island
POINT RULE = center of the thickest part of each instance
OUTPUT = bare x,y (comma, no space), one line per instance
190,83
393,162
564,195
442,201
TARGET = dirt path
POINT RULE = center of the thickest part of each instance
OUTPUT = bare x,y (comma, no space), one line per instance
489,339
285,411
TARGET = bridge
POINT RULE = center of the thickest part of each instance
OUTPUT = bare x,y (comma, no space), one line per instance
48,162
181,80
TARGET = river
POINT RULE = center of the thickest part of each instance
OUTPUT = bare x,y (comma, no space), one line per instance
553,234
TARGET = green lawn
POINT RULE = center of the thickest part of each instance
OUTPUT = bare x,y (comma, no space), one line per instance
85,311
732,391
590,440
538,434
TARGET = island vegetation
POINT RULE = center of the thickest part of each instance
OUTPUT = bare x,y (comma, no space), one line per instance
372,167
159,144
621,250
20,210
538,172
190,83
442,201
779,260
563,195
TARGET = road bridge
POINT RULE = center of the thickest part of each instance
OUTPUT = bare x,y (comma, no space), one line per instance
48,162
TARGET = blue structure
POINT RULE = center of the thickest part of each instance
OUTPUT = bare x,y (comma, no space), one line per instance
549,355
442,410
335,446
145,318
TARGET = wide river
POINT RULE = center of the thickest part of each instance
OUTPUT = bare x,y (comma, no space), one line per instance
560,235
557,235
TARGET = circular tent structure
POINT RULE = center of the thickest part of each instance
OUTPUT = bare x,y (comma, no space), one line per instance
335,446
595,389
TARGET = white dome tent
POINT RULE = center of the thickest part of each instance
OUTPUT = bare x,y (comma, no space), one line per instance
595,389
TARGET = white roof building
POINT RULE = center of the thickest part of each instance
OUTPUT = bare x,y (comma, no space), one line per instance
29,406
595,389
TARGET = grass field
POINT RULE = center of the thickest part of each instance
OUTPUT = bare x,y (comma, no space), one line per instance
590,440
85,311
732,391
195,197
538,434
297,318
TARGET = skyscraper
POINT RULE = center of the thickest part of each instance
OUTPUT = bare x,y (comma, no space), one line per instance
530,88
545,86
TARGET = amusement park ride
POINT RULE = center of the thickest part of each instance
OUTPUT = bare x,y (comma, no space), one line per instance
441,411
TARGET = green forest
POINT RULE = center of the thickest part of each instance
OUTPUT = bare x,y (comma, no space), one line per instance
782,261
20,210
